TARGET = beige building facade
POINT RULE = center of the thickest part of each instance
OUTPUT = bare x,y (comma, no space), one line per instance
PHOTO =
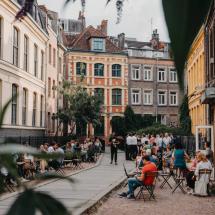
22,71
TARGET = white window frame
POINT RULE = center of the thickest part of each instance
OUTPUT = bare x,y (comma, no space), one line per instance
98,40
165,74
164,91
146,70
134,72
170,98
171,71
144,102
139,94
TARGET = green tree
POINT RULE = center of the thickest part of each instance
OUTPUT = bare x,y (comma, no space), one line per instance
185,120
80,108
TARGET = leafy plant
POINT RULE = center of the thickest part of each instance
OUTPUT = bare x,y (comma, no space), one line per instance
79,106
29,202
185,120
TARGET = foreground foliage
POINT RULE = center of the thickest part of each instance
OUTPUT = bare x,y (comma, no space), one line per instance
30,201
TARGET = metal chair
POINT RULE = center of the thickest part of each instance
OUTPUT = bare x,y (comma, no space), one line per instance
178,176
149,188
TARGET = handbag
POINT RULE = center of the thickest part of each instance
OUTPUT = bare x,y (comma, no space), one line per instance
201,187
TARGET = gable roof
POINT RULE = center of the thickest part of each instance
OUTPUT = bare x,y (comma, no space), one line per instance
81,42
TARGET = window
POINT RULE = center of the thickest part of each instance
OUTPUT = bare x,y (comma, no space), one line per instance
41,111
99,92
53,88
135,72
14,104
34,109
50,54
135,96
99,69
26,45
81,68
24,107
49,122
162,100
60,65
49,87
116,70
53,123
99,129
147,73
35,59
116,97
173,98
173,75
54,57
15,46
1,34
161,75
42,65
148,97
98,44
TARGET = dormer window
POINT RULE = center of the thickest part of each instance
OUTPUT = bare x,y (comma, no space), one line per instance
98,44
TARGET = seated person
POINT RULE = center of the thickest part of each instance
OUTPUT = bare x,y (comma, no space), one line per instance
135,182
203,163
189,177
167,157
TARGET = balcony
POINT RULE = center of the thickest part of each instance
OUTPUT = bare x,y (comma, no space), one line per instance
208,96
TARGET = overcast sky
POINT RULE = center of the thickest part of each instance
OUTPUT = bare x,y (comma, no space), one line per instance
138,19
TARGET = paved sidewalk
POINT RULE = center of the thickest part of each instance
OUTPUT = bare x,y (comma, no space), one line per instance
91,185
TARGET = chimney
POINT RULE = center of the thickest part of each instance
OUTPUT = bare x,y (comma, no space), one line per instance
121,41
81,17
155,39
103,27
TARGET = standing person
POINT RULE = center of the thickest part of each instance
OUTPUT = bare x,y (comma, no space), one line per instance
134,146
128,147
179,156
166,140
113,148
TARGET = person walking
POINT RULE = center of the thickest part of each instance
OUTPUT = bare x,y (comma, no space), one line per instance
113,147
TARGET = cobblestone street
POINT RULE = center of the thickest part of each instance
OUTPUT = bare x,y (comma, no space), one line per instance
166,203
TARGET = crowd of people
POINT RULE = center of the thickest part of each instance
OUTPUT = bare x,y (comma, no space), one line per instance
164,153
28,165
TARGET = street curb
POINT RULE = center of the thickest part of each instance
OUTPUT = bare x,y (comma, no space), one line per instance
14,194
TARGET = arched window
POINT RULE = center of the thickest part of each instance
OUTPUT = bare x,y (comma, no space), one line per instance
99,69
34,113
15,46
116,97
41,110
14,104
24,106
116,70
26,52
81,68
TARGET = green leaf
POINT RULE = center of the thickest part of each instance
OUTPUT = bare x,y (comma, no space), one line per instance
24,204
3,111
31,201
184,19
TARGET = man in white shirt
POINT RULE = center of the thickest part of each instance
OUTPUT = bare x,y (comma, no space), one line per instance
166,140
129,147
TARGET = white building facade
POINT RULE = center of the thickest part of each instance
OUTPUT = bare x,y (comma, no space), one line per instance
22,70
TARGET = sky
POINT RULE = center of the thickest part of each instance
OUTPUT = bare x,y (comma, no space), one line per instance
139,17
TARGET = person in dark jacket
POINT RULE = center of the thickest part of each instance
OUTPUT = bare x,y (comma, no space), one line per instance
113,147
